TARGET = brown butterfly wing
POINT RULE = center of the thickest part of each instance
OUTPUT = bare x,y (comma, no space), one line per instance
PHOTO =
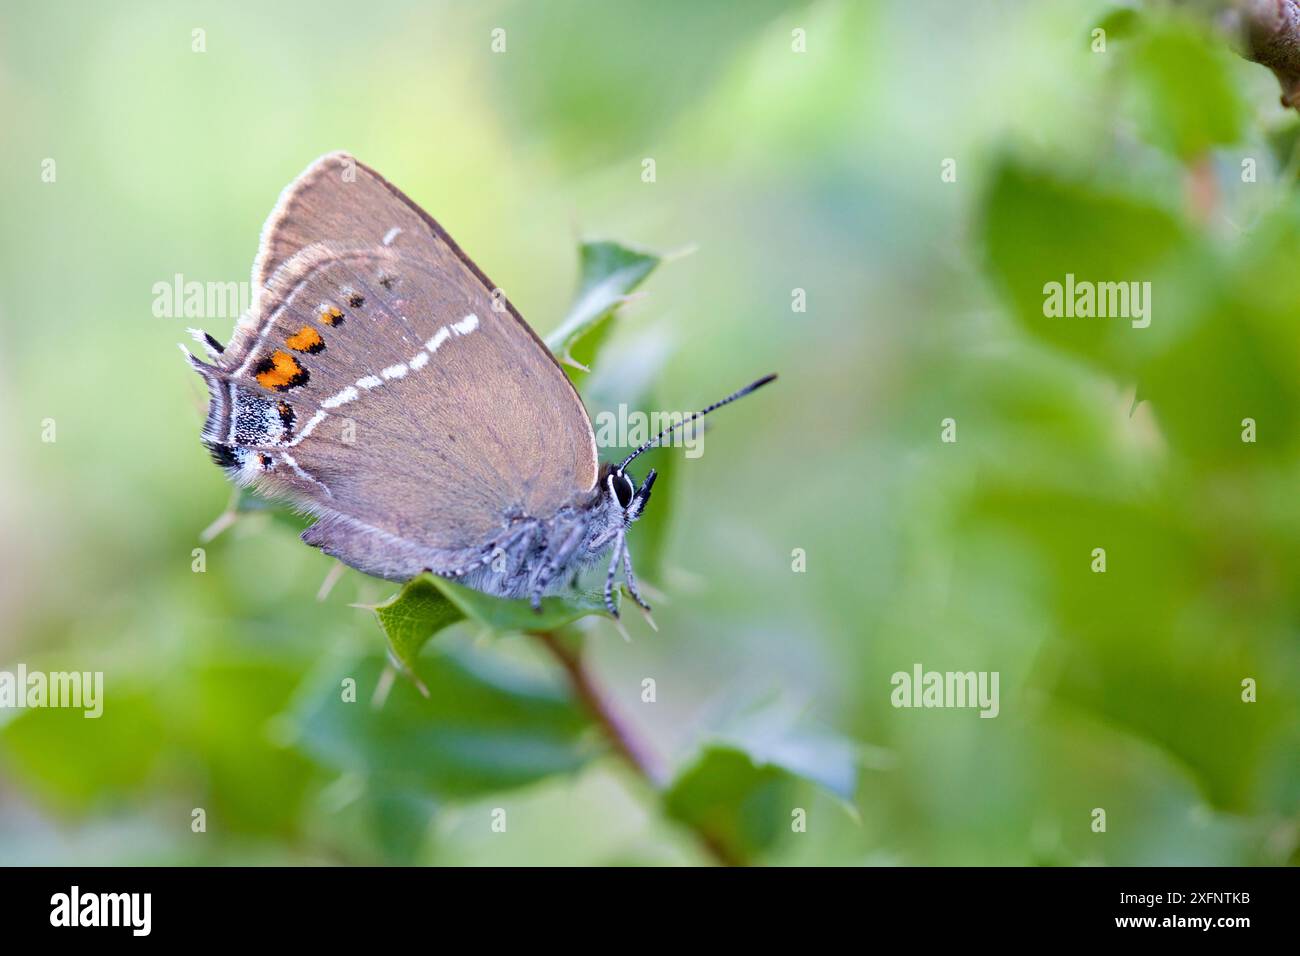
377,385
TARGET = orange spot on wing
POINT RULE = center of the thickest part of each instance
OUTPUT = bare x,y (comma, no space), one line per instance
332,315
280,372
305,339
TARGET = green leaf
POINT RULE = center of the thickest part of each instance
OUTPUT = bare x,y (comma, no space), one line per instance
1118,22
608,272
740,789
413,615
1148,646
1040,227
555,96
428,604
1186,96
371,823
739,804
399,819
774,734
507,614
72,761
152,730
488,724
1284,144
1234,353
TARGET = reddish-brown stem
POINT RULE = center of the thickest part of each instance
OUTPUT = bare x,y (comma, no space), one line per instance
638,755
1202,189
625,741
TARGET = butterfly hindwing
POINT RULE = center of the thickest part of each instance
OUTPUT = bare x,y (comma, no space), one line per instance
377,385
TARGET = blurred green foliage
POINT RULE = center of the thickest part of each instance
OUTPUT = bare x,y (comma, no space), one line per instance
817,171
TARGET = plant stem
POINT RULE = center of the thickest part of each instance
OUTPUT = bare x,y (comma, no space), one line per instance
625,741
636,752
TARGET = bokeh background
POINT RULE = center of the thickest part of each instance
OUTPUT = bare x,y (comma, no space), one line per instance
817,170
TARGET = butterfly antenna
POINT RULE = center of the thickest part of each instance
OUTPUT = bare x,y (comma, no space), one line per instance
752,386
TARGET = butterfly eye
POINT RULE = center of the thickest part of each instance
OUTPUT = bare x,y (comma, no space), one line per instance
621,485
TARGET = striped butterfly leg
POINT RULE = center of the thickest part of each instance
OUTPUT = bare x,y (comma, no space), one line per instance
610,606
630,579
558,559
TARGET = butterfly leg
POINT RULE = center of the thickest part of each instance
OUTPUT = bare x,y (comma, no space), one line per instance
465,569
631,579
515,549
609,577
558,559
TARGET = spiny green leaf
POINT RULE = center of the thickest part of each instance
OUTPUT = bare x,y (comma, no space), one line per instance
413,615
428,604
487,724
608,272
507,614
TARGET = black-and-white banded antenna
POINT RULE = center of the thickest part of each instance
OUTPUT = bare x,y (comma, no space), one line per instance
752,386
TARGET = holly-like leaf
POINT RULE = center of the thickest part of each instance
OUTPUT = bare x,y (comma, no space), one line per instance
506,614
487,724
428,604
413,615
608,273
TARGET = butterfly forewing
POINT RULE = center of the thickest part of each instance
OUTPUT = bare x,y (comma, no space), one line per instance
377,384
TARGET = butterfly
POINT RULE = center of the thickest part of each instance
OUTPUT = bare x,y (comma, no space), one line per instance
381,383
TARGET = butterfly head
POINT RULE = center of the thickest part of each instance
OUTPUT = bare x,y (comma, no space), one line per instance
619,489
619,492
